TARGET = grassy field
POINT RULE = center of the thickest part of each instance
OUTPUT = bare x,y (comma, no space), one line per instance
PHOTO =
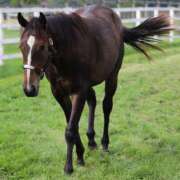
144,128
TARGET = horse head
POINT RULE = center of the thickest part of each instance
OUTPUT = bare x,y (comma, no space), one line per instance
34,45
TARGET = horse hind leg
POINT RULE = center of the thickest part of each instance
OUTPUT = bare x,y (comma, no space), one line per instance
91,100
110,89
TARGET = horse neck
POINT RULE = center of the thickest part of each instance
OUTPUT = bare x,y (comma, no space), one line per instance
66,30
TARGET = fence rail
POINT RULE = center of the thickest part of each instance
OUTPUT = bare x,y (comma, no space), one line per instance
128,15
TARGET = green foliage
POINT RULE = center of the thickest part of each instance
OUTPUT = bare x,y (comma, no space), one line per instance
23,2
57,2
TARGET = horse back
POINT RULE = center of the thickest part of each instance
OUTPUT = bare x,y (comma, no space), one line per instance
106,39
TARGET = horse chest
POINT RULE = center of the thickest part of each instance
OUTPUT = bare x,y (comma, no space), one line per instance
68,85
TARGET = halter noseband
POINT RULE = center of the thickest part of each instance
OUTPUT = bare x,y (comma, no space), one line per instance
42,71
26,66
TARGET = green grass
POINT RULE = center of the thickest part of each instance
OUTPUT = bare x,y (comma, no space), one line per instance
8,34
144,127
11,68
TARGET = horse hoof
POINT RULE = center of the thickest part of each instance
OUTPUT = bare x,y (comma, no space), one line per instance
68,170
80,162
105,148
92,145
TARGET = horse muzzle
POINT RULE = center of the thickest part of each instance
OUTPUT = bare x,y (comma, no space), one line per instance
31,92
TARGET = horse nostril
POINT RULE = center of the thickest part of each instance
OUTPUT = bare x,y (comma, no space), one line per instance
31,92
33,89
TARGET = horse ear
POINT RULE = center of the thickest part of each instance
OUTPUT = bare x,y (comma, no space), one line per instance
42,19
22,21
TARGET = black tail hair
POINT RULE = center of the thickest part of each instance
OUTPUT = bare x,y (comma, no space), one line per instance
141,36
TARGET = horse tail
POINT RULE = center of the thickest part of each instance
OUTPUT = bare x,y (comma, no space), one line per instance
141,37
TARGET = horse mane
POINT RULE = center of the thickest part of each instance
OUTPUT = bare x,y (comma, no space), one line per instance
67,28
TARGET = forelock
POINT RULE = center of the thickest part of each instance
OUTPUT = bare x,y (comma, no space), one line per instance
35,24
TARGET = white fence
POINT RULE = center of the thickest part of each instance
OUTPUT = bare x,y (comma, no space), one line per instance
131,16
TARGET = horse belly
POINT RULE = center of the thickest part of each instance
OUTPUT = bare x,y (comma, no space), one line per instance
107,62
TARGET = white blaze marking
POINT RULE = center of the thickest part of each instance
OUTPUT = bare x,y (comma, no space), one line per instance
30,42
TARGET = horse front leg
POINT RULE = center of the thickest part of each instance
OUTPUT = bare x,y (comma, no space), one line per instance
63,100
72,131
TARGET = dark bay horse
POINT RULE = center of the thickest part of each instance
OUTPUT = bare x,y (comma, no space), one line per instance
76,52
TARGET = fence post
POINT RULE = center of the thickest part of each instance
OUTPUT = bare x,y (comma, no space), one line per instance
138,16
1,39
36,14
156,12
171,34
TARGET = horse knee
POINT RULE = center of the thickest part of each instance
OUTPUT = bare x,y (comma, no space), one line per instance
70,136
